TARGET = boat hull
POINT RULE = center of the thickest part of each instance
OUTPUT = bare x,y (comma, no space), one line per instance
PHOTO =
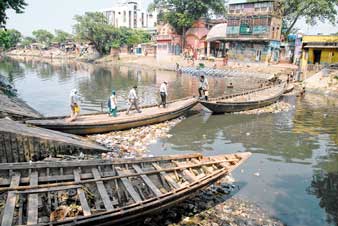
192,172
86,129
222,107
217,108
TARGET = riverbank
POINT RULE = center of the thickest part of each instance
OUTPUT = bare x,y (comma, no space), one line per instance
325,82
151,62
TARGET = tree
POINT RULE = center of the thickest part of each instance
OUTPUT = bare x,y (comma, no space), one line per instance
9,38
43,36
310,10
182,13
61,36
94,27
27,41
16,5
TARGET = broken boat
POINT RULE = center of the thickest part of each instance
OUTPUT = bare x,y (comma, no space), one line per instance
245,101
105,192
102,123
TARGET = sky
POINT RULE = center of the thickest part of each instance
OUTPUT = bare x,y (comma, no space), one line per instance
59,14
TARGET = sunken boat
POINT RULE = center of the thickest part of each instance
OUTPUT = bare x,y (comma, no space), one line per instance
245,101
105,192
102,123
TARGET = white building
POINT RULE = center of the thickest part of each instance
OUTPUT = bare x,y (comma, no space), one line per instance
130,14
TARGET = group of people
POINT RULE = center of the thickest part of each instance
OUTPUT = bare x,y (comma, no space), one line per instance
133,100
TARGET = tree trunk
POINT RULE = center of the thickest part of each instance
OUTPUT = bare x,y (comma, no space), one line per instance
292,25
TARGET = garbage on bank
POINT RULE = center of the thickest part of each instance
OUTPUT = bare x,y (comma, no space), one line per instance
133,143
274,108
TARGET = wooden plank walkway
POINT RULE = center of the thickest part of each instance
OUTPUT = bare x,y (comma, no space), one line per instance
20,142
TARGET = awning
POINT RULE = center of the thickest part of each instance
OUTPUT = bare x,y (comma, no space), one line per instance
320,47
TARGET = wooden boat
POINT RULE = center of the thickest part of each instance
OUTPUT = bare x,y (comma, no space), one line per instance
103,192
102,122
289,88
245,101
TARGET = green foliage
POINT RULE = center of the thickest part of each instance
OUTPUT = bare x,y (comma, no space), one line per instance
310,10
16,5
182,13
43,36
27,41
61,36
9,38
94,27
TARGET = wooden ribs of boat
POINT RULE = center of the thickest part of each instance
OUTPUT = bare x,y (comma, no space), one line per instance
103,192
102,122
245,101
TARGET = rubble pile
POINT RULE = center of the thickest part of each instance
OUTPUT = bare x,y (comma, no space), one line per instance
274,108
133,143
213,206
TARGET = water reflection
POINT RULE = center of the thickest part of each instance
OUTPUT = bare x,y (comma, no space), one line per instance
296,156
45,84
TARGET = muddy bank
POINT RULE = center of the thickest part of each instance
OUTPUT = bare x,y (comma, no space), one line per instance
148,62
324,82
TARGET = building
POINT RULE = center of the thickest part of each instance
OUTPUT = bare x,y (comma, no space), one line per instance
216,44
254,30
319,50
195,37
129,14
168,41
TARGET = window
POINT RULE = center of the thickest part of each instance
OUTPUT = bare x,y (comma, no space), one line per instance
124,16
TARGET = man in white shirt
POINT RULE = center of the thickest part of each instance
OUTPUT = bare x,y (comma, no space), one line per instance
163,93
203,87
133,99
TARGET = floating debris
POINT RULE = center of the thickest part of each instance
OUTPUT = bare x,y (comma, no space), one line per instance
134,142
213,207
274,108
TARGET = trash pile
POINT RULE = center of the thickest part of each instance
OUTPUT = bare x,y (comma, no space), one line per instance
213,206
274,108
133,143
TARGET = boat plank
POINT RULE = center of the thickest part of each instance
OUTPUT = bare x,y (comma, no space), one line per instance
129,187
7,218
147,180
33,201
82,195
102,190
14,166
167,177
186,173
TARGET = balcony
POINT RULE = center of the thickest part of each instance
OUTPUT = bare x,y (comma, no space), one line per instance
164,37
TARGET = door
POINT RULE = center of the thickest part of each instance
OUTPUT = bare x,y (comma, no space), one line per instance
258,55
316,56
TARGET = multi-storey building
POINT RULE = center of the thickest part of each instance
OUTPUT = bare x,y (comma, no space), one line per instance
130,14
254,30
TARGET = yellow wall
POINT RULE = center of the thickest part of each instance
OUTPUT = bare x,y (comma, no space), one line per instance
320,38
328,56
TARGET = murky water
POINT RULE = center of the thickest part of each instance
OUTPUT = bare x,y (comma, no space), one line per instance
46,85
293,172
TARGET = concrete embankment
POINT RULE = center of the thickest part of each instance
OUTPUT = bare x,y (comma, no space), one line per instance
20,142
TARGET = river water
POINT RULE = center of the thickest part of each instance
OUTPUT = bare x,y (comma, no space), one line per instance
293,172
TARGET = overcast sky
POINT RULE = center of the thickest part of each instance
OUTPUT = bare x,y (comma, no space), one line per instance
59,14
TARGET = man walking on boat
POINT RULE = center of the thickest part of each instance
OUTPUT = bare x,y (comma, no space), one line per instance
163,94
133,100
203,87
74,105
